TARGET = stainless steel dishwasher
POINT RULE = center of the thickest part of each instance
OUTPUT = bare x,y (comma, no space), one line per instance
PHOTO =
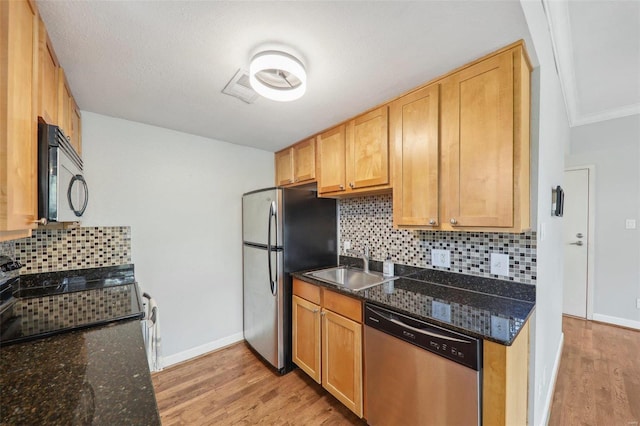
418,373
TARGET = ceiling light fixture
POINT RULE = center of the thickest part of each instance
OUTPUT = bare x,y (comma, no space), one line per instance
278,76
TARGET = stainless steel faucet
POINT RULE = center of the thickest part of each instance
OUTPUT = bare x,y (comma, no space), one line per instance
364,255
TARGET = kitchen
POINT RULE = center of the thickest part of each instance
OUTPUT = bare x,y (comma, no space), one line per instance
192,245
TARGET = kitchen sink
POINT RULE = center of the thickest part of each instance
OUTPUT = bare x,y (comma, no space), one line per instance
351,278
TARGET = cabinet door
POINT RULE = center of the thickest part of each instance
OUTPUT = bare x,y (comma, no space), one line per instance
306,337
48,78
331,161
414,131
477,116
342,359
76,127
284,167
64,103
18,123
304,161
368,150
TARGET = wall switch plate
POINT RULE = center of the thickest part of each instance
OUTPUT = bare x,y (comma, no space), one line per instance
499,327
630,224
346,245
441,311
441,258
500,264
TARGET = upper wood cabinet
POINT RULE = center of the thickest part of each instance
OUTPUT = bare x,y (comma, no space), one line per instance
297,164
485,137
332,161
64,103
354,158
48,78
18,122
414,122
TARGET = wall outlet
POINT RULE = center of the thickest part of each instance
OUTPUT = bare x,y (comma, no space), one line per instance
441,258
346,245
630,224
500,264
441,311
499,328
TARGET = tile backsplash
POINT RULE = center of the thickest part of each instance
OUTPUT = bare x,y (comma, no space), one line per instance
369,220
50,250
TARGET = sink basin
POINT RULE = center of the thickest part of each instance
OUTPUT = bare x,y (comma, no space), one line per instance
351,278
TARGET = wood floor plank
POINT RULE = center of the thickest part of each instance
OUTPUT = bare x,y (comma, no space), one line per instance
599,376
233,387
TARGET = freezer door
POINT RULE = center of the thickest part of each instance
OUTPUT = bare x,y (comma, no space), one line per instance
263,310
261,217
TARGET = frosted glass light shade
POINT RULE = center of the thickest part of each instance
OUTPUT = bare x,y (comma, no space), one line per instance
277,76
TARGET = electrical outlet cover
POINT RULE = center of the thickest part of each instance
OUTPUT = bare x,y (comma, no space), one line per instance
441,258
346,245
441,311
499,328
500,264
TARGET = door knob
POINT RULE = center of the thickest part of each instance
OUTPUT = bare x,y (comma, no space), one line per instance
579,235
577,243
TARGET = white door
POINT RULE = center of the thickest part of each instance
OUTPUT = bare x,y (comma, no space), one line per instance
576,247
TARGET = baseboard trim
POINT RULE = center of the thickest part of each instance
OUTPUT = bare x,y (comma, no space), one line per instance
623,322
554,377
202,349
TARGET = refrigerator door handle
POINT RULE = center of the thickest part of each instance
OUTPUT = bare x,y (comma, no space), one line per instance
273,282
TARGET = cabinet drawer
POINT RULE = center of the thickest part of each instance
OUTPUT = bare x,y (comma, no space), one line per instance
343,305
307,291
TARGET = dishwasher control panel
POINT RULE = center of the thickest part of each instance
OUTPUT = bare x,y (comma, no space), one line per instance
465,350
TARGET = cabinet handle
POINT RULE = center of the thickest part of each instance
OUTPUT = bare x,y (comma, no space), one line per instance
351,185
323,313
315,311
432,222
341,187
453,221
42,221
290,180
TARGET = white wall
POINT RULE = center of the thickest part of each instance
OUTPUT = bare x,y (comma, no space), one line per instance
551,129
613,146
181,195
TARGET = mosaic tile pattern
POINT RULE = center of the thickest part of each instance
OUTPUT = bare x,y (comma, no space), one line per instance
66,310
64,249
7,248
370,220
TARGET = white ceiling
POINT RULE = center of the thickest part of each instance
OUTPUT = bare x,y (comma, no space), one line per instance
166,62
597,46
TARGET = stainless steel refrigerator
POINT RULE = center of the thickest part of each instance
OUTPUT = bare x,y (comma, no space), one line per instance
283,230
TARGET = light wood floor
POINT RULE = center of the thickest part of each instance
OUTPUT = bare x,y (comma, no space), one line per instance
598,384
232,387
599,376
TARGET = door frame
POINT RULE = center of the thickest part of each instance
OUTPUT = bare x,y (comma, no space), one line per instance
591,221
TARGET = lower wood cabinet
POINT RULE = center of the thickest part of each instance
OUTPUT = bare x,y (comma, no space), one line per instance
327,341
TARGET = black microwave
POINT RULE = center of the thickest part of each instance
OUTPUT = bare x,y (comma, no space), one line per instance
62,190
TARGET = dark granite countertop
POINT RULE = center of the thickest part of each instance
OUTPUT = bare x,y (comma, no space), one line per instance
476,303
97,376
54,302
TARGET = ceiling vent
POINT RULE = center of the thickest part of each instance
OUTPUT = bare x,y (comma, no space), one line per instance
240,87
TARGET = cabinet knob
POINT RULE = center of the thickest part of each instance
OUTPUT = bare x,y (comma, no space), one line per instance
323,313
432,221
42,221
341,187
351,185
315,311
290,180
453,221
